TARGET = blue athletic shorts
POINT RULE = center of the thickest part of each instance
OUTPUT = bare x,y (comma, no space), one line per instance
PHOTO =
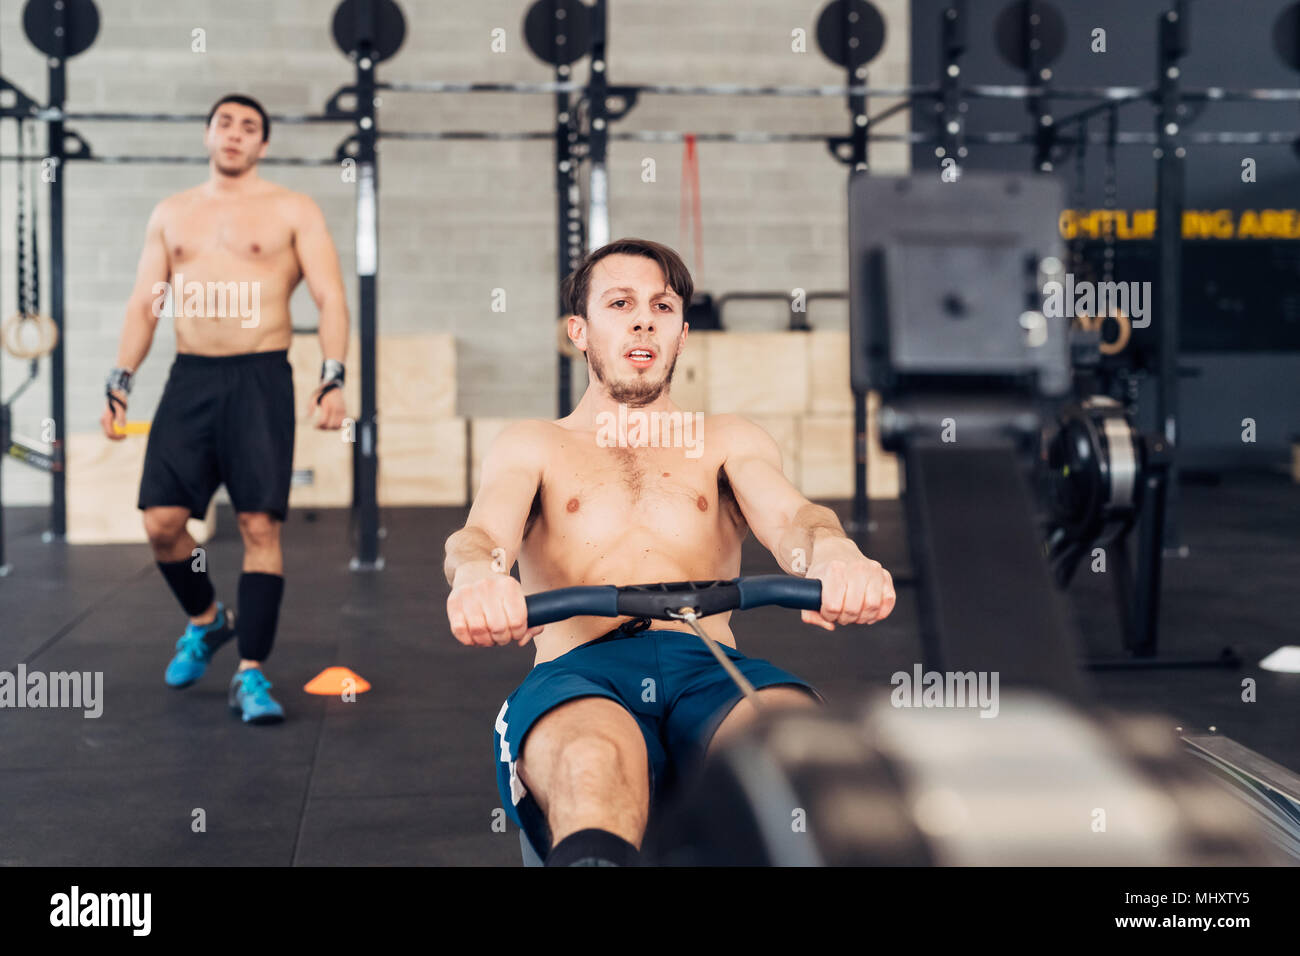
667,680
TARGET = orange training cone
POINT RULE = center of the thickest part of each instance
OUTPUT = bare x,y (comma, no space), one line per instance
335,681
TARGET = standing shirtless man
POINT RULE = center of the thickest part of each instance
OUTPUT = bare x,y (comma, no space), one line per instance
580,749
230,253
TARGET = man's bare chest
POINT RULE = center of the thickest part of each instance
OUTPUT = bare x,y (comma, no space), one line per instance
611,488
242,233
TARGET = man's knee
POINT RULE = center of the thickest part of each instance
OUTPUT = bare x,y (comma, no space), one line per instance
590,759
583,753
591,780
743,714
259,530
165,526
582,756
779,697
787,695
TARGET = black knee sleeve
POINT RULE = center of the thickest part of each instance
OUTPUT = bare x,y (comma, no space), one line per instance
593,848
192,588
259,611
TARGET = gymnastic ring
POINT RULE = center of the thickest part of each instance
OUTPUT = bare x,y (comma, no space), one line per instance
1121,341
9,335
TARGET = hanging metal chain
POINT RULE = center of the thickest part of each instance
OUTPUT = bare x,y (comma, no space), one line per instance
28,281
1078,199
1111,194
35,246
20,218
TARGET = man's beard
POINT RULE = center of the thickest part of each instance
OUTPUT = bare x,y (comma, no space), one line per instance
233,171
634,394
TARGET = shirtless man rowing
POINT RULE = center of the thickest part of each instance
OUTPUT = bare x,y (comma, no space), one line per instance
611,712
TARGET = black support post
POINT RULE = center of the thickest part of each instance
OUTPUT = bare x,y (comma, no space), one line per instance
856,75
365,453
568,224
4,451
4,409
1170,172
598,135
1037,77
949,106
57,66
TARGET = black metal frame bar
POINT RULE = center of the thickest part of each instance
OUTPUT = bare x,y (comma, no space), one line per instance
365,450
858,158
1000,91
1170,197
56,143
570,237
570,223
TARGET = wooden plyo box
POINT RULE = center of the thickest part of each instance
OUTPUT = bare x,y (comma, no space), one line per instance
326,457
690,376
829,391
104,488
757,373
422,463
827,457
422,445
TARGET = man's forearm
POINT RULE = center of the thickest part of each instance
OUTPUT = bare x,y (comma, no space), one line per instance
334,329
472,547
814,529
137,336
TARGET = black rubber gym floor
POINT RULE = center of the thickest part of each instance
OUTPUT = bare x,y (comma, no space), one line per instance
405,775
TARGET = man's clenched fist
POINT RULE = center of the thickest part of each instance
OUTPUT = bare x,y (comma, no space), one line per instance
114,418
331,407
855,589
486,607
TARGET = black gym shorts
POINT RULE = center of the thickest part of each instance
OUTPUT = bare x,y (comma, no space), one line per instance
223,420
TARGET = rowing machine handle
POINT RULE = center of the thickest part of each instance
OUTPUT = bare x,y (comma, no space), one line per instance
663,602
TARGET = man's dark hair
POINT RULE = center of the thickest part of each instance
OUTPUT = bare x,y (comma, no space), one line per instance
243,100
577,285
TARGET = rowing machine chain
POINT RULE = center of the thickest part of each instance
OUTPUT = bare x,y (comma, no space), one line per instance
1110,200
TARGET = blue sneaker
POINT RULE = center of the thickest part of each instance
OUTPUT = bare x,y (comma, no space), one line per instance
250,695
196,647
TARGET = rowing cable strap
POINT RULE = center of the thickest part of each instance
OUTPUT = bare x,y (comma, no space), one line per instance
690,206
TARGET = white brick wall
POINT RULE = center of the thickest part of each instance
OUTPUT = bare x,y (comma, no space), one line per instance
457,219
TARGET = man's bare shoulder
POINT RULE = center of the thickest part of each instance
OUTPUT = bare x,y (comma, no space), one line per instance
736,434
527,441
177,202
301,203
